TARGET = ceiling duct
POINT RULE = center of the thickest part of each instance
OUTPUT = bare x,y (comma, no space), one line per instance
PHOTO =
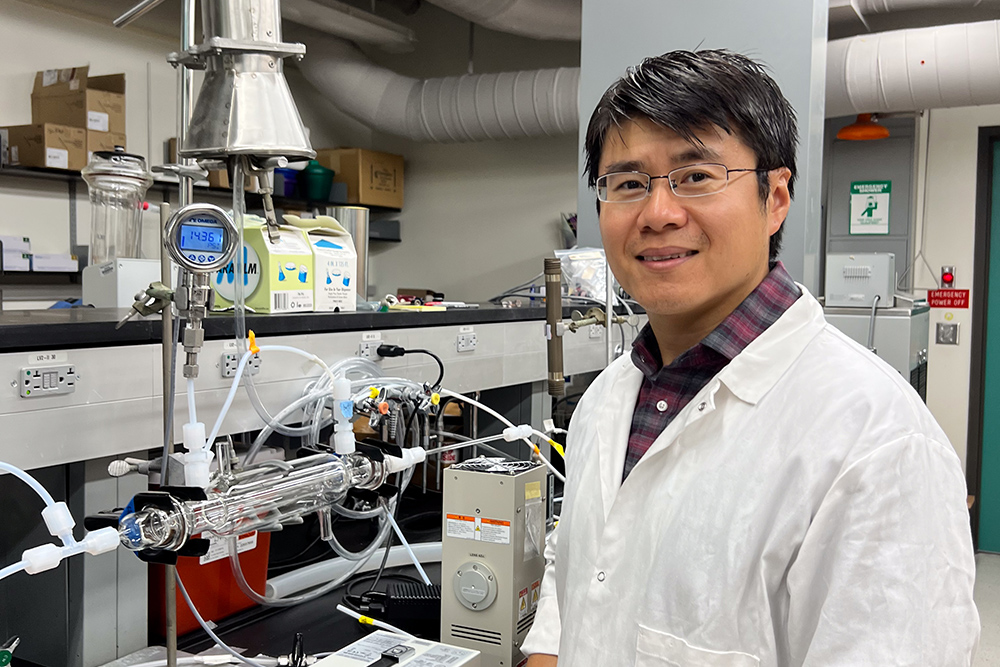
540,19
473,107
920,68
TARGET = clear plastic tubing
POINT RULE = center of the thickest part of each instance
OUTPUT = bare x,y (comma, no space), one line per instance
30,481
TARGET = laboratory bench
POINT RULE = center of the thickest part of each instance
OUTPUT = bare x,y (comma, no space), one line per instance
116,404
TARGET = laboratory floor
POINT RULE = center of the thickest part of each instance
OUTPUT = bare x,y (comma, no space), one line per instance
988,601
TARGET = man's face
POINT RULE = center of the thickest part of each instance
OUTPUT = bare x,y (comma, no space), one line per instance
692,257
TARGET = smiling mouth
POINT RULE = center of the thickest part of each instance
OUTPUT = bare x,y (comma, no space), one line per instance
663,258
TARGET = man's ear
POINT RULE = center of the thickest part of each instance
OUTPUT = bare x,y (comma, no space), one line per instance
779,199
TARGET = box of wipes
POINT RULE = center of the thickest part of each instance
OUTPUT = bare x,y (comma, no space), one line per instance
335,263
277,276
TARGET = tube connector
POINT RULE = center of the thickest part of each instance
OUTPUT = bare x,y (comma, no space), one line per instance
101,541
512,433
198,459
59,521
42,558
410,458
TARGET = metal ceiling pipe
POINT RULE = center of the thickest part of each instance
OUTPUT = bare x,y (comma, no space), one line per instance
539,19
453,109
921,68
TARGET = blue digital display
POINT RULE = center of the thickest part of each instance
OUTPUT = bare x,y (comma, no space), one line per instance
205,239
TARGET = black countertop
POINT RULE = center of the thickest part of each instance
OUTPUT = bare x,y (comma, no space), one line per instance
95,327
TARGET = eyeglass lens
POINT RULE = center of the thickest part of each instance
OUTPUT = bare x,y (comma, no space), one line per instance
693,181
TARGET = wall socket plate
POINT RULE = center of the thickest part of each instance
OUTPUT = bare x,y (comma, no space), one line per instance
466,342
231,361
368,349
39,381
946,333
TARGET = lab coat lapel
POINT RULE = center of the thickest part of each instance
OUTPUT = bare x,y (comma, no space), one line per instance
613,426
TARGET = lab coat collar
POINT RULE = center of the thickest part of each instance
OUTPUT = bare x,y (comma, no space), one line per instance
759,366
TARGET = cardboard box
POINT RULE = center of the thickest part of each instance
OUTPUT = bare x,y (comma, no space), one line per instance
372,178
335,263
72,97
278,277
103,141
15,260
16,243
46,145
54,262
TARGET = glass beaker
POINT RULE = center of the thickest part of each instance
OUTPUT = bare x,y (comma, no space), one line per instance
117,182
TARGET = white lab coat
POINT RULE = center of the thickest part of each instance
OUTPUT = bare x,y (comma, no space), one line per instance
803,509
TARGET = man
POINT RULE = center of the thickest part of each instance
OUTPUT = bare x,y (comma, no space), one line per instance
749,487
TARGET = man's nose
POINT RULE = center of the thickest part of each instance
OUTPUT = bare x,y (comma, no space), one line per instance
662,208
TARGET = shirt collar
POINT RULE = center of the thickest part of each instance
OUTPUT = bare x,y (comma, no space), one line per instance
762,308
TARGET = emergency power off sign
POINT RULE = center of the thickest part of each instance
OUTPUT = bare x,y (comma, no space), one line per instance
870,207
948,298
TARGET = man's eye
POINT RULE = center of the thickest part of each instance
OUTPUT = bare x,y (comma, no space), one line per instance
696,177
630,184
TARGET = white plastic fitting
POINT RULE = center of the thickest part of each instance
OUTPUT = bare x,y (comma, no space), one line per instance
198,459
343,412
411,457
59,521
101,541
42,558
512,433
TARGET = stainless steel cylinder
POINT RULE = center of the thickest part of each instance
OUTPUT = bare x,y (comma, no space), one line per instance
355,220
242,20
553,317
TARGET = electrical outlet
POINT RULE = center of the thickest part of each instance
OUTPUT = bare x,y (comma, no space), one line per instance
47,380
594,331
466,342
367,349
231,361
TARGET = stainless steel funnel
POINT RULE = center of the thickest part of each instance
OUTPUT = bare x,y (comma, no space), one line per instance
244,106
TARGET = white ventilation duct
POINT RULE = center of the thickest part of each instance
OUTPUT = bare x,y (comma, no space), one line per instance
921,68
540,19
475,107
872,7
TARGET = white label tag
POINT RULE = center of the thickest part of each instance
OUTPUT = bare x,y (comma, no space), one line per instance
50,77
14,157
97,121
466,330
460,526
291,302
90,156
47,358
57,158
219,547
74,84
371,336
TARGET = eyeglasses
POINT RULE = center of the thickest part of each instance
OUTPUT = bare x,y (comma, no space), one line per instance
696,180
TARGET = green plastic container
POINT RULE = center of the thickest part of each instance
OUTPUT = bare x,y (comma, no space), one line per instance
316,181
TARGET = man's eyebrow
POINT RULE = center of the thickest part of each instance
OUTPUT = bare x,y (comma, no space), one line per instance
695,154
624,165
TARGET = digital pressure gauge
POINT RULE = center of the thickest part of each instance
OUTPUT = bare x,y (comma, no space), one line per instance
201,237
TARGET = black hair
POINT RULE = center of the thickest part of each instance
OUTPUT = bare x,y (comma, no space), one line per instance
686,91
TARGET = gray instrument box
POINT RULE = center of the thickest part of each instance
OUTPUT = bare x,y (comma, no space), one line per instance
492,555
854,280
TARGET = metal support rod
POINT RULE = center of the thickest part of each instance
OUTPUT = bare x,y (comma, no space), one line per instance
185,93
475,424
135,12
610,287
166,346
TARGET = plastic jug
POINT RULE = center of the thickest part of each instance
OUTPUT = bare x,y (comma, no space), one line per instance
117,182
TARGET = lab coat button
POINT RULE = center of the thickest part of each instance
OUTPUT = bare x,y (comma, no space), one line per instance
662,406
702,406
600,576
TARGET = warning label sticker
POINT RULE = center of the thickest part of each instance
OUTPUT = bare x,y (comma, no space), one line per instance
497,532
462,527
522,604
218,547
476,528
535,590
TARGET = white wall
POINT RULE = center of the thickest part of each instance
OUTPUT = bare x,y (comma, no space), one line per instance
949,226
36,38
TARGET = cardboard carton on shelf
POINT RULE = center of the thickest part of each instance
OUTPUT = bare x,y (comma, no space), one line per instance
16,260
372,178
45,145
72,97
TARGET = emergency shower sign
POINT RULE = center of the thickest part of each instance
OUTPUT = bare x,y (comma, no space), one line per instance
870,207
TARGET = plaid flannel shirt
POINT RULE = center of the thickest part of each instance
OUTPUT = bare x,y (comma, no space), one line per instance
667,389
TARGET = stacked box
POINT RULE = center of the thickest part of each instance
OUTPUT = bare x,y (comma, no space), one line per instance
45,145
16,253
372,178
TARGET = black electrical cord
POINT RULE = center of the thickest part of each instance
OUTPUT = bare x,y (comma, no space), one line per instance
349,590
398,351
